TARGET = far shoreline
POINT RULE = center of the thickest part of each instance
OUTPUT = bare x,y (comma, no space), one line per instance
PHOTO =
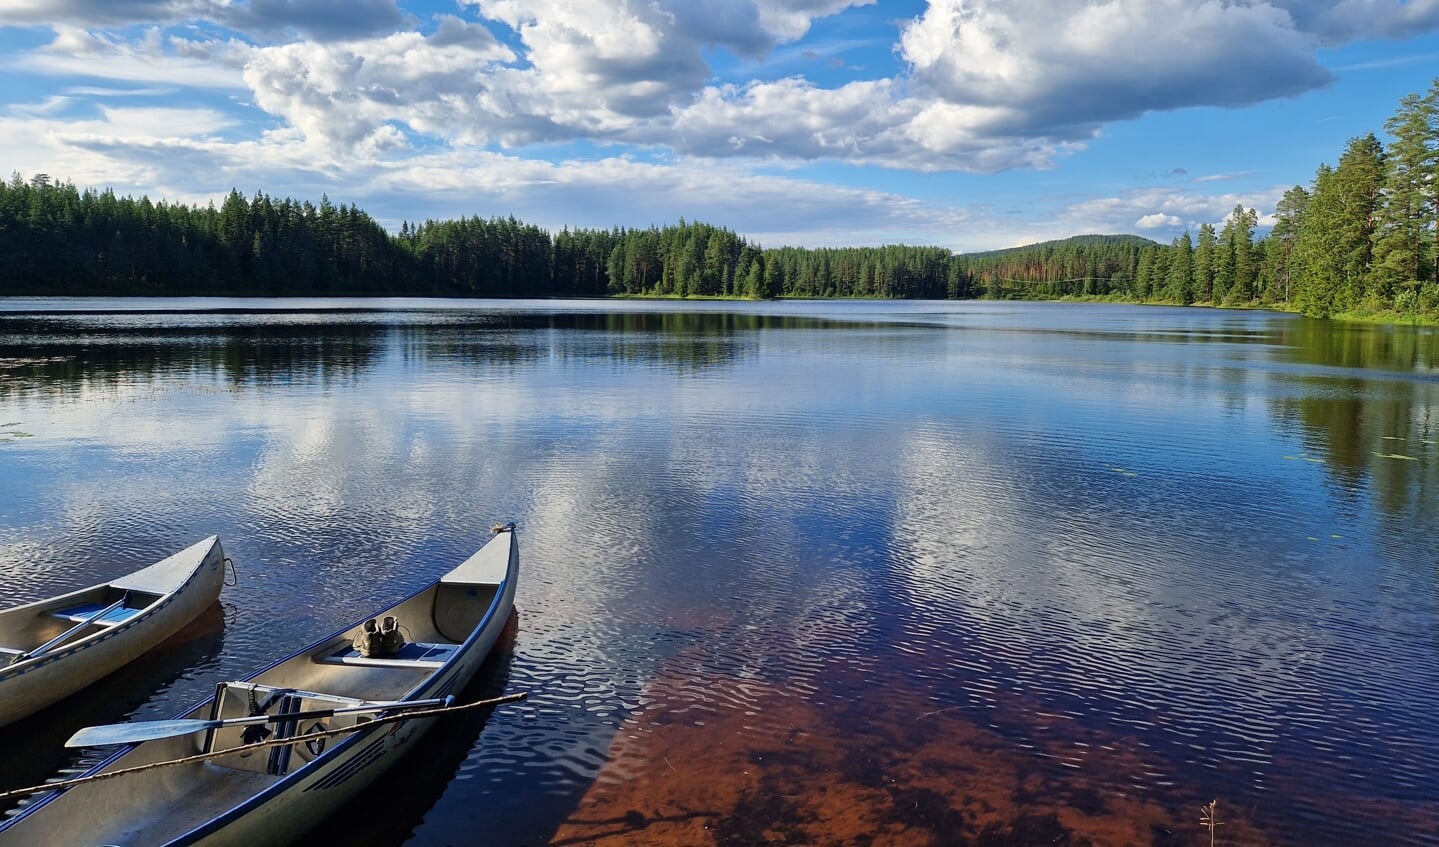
151,303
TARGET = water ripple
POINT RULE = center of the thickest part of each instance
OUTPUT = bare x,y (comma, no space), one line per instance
797,567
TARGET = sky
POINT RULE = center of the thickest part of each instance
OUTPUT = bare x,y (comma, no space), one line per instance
966,124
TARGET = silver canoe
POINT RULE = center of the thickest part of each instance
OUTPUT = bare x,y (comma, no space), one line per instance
52,648
274,795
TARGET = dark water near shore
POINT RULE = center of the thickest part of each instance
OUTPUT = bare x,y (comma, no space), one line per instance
807,573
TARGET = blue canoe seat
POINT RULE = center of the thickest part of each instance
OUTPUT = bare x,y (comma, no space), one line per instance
78,614
412,655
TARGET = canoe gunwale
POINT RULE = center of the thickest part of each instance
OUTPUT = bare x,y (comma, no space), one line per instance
345,758
106,632
34,683
338,750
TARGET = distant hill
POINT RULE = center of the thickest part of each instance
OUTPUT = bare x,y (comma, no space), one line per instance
1137,241
1091,265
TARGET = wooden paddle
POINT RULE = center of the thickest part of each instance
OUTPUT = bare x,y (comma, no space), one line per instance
133,733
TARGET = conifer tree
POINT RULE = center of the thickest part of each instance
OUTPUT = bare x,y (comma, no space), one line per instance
1204,265
1279,247
1335,242
1403,240
1179,288
1236,259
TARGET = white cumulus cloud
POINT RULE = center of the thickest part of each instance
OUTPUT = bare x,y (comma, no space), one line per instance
347,93
680,98
1339,21
1164,211
986,85
261,19
1158,220
1062,69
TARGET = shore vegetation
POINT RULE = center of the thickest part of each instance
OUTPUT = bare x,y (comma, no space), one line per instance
1361,241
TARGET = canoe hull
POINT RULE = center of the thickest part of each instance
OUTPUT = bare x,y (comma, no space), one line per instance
300,807
187,583
249,798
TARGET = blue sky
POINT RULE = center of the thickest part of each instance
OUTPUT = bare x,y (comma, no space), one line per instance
969,124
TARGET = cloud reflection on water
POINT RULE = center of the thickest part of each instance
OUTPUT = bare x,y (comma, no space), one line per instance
1098,532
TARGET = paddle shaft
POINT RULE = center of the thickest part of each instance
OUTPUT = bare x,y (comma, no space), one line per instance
323,713
67,634
248,748
129,733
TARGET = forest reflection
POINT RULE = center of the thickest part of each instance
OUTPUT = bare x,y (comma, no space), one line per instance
1357,345
1126,559
1362,395
58,356
1367,411
55,360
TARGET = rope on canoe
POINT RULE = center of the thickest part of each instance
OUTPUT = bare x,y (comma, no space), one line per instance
274,742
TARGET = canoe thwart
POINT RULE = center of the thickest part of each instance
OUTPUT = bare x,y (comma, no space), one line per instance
80,624
413,655
55,646
270,756
114,617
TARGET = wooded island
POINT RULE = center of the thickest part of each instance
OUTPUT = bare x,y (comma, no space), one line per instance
1362,238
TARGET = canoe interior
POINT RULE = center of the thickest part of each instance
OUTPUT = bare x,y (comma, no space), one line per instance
238,700
157,806
52,648
459,607
28,627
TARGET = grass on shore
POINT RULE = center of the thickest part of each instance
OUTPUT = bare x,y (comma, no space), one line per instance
1368,317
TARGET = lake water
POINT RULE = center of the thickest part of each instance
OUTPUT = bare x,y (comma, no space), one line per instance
799,572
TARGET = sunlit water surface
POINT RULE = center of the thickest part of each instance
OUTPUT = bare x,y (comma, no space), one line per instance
791,572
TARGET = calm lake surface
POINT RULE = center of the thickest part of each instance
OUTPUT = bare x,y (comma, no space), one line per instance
802,572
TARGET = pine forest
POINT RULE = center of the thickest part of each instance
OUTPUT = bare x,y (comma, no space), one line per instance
1361,238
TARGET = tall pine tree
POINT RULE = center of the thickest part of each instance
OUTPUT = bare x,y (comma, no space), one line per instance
1334,246
1403,240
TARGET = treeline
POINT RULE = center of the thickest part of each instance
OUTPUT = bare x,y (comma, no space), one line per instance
56,239
1363,236
1089,265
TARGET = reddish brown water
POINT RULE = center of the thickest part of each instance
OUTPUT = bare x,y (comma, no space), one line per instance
870,574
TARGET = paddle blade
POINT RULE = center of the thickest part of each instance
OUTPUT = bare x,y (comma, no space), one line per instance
131,733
